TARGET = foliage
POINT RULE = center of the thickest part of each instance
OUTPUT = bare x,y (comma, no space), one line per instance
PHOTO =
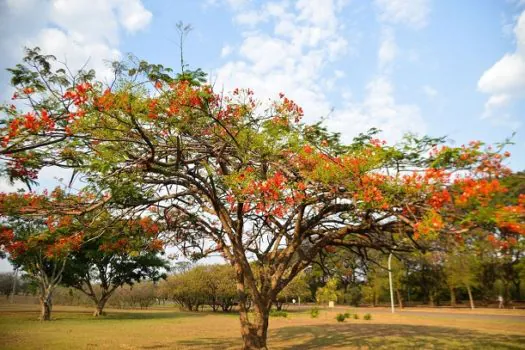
125,253
41,249
353,295
314,312
212,285
297,289
278,313
328,292
367,317
340,317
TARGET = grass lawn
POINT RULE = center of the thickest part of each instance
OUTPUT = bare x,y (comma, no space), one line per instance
165,328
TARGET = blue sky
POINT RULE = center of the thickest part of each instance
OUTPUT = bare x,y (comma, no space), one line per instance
446,67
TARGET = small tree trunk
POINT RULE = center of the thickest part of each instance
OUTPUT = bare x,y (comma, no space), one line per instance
278,305
46,305
452,296
506,294
99,310
431,300
517,285
469,291
399,298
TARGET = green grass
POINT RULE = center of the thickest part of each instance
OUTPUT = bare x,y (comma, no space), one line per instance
166,328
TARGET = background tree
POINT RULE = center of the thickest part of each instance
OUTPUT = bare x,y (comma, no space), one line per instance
328,293
297,289
41,251
124,254
461,269
7,281
221,286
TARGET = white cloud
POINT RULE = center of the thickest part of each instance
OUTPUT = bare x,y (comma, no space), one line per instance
133,15
413,13
378,109
387,49
506,75
505,81
292,56
429,91
76,32
226,50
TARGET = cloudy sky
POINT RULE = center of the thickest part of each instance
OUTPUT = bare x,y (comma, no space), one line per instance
446,67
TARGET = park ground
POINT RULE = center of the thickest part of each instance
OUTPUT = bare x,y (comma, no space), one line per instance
167,328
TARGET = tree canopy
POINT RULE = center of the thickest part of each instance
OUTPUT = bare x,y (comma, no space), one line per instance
225,173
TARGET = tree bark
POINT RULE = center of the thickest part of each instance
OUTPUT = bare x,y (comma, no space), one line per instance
469,291
517,285
254,332
452,296
506,294
431,300
99,310
46,305
399,299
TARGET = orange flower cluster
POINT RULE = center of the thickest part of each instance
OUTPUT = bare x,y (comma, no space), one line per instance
121,245
286,109
79,95
64,245
149,226
31,122
481,191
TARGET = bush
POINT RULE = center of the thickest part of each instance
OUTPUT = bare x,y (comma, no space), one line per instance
367,317
356,316
340,317
278,313
347,314
314,313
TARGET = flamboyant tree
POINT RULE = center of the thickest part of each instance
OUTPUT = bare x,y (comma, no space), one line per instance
126,253
41,248
60,238
248,180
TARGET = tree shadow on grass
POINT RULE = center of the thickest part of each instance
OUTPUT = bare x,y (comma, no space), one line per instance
384,336
120,315
208,344
147,315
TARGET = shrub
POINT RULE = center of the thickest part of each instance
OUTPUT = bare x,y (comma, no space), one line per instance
347,314
356,316
278,313
340,317
314,312
367,317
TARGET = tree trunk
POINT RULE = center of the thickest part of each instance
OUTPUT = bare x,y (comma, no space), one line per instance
254,332
99,310
517,285
278,305
431,300
452,296
46,305
469,291
506,294
399,298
